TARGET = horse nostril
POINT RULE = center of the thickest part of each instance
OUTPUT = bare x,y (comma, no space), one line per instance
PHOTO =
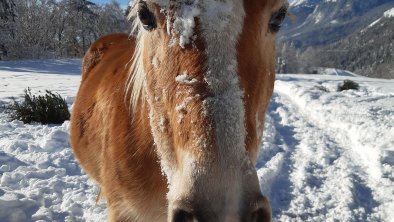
261,215
182,216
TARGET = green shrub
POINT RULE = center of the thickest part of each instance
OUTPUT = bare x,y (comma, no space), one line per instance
322,88
348,84
45,109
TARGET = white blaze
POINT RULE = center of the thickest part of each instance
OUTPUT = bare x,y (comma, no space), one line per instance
222,23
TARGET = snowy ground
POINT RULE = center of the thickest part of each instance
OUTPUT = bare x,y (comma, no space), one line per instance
327,156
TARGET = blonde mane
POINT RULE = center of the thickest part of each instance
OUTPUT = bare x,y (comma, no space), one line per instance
135,81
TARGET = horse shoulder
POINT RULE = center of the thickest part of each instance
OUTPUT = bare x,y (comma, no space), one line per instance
101,76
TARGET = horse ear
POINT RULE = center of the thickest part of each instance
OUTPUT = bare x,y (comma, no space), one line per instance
146,17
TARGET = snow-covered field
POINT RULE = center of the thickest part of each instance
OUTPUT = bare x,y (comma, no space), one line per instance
326,156
40,179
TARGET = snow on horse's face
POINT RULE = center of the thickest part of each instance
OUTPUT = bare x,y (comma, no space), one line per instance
209,68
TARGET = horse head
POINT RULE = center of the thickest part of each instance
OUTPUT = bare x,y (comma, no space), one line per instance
205,69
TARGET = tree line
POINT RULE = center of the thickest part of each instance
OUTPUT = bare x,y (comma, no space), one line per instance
33,29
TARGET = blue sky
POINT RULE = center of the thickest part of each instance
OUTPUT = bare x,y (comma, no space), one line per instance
122,2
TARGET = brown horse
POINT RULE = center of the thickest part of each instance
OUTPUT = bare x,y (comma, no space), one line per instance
169,120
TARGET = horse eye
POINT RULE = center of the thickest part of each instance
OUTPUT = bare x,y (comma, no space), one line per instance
146,17
277,19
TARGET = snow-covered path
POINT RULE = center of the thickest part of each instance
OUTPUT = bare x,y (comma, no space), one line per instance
326,156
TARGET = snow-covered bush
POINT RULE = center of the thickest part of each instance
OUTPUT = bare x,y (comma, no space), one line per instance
45,109
322,88
348,84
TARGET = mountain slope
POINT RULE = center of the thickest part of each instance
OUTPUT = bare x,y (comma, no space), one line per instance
354,35
321,22
368,52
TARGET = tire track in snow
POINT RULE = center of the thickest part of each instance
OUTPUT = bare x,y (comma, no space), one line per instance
313,170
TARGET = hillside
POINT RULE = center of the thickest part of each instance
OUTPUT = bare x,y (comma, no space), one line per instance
339,34
326,156
368,52
320,22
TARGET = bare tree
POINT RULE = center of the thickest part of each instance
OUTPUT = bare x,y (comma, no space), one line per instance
56,28
7,18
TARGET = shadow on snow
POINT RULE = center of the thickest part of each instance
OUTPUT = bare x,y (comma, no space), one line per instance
48,66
